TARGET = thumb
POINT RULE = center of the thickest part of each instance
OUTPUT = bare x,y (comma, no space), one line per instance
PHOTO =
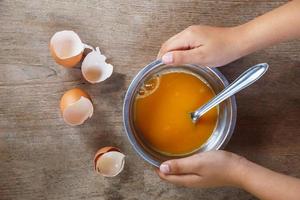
187,165
193,56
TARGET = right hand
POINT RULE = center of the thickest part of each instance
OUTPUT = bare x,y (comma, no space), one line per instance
208,169
203,45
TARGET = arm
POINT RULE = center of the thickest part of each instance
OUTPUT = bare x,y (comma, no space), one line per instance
220,168
281,24
217,46
269,185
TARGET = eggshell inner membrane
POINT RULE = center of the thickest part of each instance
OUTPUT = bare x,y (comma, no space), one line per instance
94,67
66,44
78,112
111,163
93,74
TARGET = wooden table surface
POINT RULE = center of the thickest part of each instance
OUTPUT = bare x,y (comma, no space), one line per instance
43,158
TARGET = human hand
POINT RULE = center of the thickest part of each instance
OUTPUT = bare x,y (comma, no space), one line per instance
204,45
208,169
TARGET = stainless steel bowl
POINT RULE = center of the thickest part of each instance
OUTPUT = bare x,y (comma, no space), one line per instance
226,120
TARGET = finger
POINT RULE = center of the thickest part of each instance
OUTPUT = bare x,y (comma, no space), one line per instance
188,165
177,42
193,56
187,180
160,53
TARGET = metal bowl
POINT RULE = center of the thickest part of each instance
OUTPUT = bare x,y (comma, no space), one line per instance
226,118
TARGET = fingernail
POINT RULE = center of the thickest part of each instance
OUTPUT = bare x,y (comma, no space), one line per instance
164,168
167,58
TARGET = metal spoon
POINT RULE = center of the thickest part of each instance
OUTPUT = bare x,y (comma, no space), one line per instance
243,81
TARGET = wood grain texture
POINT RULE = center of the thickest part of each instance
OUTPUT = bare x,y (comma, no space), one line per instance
43,158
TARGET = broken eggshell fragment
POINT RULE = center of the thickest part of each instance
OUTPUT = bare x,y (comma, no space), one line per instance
67,48
94,67
109,161
76,106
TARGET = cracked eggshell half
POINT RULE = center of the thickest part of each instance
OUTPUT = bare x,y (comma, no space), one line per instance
94,67
109,161
76,107
66,48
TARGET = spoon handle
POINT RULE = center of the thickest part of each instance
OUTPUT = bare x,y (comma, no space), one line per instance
244,80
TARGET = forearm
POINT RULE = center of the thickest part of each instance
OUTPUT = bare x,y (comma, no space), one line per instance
276,26
267,184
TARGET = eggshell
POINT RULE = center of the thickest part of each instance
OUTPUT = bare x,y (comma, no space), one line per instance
71,96
76,107
109,161
94,67
103,150
68,62
66,48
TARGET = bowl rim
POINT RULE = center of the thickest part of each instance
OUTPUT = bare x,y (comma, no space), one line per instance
129,95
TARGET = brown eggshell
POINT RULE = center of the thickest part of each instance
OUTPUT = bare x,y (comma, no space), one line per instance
68,62
71,96
102,151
